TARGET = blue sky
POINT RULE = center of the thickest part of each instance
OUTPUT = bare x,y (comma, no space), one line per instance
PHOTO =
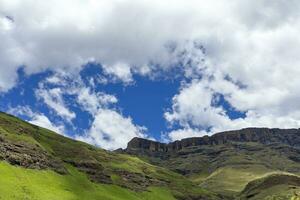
106,71
144,100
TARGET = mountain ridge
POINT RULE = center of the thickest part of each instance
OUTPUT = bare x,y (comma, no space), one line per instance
227,161
261,135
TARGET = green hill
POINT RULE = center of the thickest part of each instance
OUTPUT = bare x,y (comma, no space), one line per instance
225,162
273,186
40,164
253,163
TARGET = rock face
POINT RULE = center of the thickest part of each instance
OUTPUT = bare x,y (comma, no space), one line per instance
275,149
261,135
29,156
93,169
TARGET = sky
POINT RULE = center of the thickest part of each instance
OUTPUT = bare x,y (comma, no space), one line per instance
106,71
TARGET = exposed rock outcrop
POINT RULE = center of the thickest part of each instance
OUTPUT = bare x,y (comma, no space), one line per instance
94,170
260,135
138,181
29,156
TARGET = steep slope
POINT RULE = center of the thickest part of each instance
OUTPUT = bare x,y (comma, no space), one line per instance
273,186
40,164
225,162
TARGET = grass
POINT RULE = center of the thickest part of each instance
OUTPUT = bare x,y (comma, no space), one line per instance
222,169
232,179
129,163
281,186
156,193
22,184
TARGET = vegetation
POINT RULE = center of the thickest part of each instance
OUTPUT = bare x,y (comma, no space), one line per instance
233,179
40,164
273,186
20,183
36,163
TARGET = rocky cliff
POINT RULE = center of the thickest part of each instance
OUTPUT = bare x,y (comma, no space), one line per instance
260,135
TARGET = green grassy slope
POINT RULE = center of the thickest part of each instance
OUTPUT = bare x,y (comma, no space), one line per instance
40,164
233,168
233,179
36,163
20,183
281,186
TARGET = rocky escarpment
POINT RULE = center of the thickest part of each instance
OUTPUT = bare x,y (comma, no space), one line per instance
290,137
276,149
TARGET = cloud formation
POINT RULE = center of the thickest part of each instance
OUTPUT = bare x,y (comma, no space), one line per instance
53,98
109,128
37,118
131,36
244,51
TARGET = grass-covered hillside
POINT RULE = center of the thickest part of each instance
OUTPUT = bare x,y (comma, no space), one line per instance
273,186
227,162
36,163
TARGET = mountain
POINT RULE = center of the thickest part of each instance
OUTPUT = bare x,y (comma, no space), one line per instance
225,162
38,164
253,163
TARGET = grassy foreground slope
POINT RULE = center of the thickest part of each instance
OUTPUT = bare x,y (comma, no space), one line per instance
36,163
21,183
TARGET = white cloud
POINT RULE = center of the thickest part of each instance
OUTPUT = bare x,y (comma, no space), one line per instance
92,101
120,70
193,106
43,121
53,98
254,44
183,133
196,108
55,87
38,119
125,36
111,130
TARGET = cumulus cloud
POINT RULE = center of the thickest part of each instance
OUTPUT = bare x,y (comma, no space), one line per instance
53,98
198,106
43,121
92,101
131,36
183,133
243,50
122,35
36,118
111,130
